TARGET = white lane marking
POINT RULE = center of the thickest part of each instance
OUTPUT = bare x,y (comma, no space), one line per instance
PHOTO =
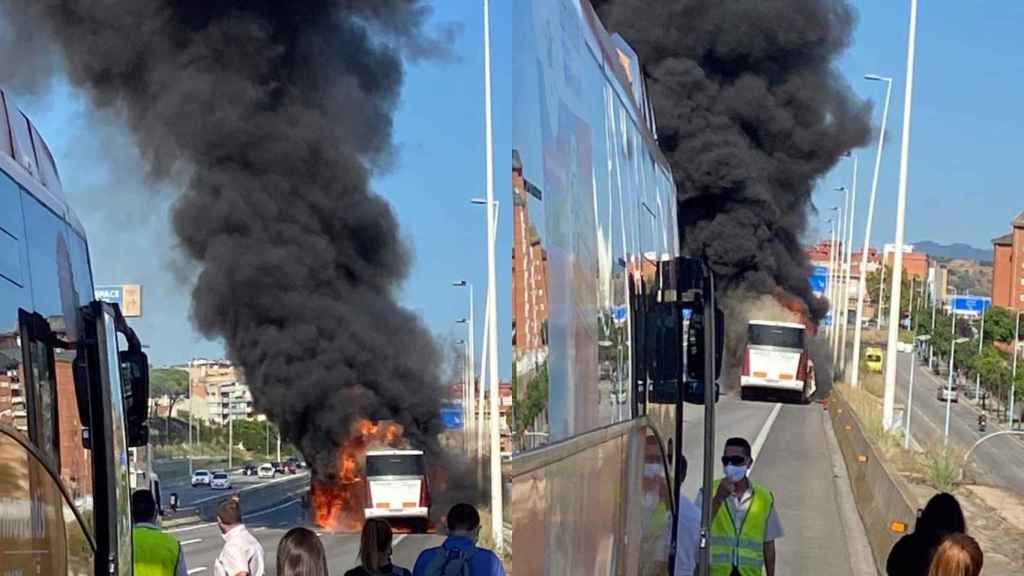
187,528
192,541
259,529
197,570
763,435
268,510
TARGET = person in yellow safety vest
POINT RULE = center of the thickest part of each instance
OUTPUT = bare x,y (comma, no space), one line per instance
744,522
155,553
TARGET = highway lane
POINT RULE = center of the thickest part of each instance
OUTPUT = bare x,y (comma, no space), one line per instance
202,543
999,461
793,458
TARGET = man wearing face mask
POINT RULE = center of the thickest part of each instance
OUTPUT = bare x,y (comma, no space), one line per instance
744,522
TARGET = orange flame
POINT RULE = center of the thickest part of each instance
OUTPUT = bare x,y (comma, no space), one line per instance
797,307
338,501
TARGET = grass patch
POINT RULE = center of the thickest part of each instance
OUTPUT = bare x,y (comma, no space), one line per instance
942,466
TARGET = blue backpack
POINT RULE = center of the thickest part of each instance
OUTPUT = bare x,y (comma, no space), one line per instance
451,562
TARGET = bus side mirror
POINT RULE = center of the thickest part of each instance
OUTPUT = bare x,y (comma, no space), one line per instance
693,392
135,376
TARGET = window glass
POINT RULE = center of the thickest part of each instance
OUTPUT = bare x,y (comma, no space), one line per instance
11,231
394,465
122,485
44,402
47,167
5,131
80,267
23,152
43,228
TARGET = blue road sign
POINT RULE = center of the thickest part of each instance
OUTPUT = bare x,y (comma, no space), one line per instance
819,279
827,320
452,416
619,313
971,304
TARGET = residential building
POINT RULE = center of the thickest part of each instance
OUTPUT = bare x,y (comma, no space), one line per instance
1008,267
915,264
529,279
219,392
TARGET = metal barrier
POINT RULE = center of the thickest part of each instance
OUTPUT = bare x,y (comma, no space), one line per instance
882,499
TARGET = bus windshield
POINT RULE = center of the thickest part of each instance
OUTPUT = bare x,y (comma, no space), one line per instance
394,465
779,336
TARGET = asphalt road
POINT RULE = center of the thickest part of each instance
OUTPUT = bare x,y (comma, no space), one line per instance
792,458
998,461
202,543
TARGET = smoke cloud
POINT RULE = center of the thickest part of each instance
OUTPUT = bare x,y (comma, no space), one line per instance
751,113
273,116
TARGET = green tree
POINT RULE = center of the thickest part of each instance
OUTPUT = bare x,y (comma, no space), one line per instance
875,278
536,399
999,324
170,382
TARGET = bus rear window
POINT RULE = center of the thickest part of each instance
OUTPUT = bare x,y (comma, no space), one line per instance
781,336
394,465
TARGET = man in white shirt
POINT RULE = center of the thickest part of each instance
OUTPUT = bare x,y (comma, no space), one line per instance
687,530
242,554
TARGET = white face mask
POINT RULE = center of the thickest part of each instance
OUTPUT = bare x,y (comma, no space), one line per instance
735,473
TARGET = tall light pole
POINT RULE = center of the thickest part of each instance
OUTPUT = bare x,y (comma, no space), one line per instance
931,347
981,343
832,273
468,403
496,486
465,387
485,356
949,386
836,320
901,210
846,281
1016,352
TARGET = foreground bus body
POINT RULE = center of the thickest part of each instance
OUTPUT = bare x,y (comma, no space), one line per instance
594,212
776,360
397,484
73,380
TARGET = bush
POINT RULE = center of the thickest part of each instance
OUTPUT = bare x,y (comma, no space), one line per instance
942,464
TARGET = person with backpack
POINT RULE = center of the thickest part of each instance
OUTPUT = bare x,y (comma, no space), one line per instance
375,551
459,554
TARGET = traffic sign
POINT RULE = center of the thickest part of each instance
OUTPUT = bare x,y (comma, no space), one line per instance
819,280
452,416
971,305
128,297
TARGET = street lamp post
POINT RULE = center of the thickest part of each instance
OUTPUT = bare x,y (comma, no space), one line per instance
854,381
1016,352
949,385
848,265
485,358
931,347
981,343
901,209
832,259
472,354
840,260
910,397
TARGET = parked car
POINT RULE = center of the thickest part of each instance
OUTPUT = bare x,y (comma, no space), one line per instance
201,477
950,393
266,471
220,481
249,469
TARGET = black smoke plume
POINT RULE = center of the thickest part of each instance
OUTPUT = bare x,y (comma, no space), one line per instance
750,113
275,115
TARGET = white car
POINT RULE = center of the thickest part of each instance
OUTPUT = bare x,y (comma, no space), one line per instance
220,481
265,471
201,477
947,393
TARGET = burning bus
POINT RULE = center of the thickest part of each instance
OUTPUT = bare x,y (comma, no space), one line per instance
776,358
379,475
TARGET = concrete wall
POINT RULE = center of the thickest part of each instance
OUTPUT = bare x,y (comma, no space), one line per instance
881,496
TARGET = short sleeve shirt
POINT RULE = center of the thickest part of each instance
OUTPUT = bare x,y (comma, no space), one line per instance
242,553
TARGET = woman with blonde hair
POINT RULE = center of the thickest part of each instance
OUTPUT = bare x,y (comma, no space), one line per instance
300,553
958,555
375,551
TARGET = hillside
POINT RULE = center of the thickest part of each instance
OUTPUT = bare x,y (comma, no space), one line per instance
956,251
970,277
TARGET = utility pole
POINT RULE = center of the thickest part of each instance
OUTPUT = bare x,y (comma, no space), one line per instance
846,283
981,343
901,214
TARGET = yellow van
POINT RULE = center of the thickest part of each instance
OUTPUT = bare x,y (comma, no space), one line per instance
873,359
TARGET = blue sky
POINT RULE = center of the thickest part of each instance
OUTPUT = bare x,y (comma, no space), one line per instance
440,136
967,118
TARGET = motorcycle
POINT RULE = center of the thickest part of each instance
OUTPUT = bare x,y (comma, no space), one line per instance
982,423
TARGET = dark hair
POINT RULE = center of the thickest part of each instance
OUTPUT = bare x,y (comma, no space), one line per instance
143,506
738,442
300,553
463,518
942,515
374,544
229,512
958,555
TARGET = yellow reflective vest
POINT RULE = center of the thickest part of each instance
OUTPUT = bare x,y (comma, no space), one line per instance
743,548
155,552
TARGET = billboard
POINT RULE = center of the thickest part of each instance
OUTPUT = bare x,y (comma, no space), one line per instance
971,305
127,296
819,280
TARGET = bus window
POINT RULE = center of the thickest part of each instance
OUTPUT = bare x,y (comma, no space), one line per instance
23,151
12,230
40,386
